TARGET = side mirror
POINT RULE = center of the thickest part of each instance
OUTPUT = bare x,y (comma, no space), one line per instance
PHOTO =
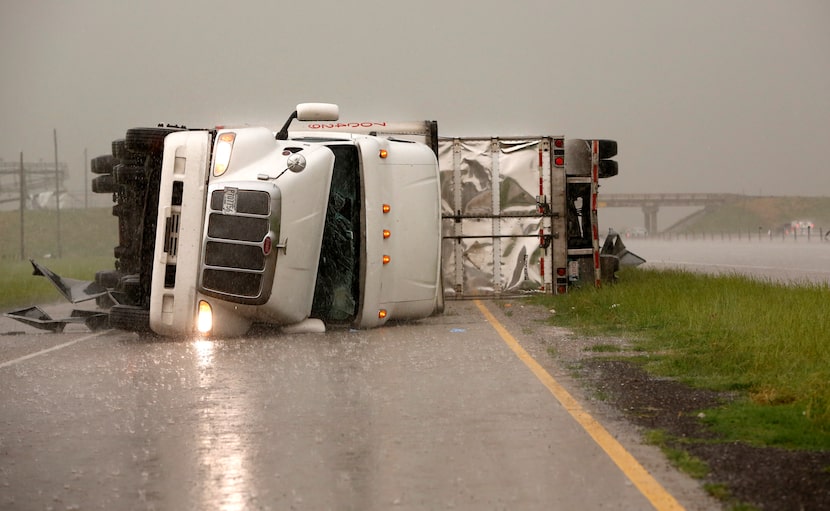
318,112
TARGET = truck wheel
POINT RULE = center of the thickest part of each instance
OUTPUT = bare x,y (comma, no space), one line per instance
608,168
607,148
147,140
125,174
102,164
104,184
130,318
119,148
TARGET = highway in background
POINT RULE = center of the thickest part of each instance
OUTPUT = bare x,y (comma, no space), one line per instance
785,261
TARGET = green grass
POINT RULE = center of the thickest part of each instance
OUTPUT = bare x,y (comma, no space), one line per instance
767,342
691,465
87,240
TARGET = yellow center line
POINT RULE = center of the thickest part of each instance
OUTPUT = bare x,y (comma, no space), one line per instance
633,470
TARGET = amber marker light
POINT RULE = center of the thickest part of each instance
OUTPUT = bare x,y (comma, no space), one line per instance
381,313
383,153
386,234
386,259
386,208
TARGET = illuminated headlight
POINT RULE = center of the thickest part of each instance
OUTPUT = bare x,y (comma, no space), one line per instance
222,155
204,318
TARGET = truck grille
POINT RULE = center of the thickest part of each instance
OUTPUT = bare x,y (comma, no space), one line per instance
248,202
171,234
234,262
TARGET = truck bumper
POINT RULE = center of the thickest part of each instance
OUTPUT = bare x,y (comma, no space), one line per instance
178,235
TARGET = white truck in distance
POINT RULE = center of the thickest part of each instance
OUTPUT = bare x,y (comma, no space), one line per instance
340,223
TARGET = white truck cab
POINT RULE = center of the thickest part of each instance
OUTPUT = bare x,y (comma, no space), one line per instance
294,231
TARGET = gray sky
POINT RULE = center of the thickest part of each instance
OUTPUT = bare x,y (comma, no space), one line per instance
703,96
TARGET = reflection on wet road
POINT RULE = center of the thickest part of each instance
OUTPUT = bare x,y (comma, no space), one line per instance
223,455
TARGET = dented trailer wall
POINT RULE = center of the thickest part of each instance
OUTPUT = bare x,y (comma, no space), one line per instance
504,209
537,233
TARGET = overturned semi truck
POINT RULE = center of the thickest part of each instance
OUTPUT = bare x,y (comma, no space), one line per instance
324,222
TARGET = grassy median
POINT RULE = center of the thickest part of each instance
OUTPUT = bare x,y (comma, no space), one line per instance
87,239
768,343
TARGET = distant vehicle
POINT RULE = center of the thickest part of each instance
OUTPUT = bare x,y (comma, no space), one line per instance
340,223
802,226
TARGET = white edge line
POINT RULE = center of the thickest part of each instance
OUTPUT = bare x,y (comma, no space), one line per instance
47,350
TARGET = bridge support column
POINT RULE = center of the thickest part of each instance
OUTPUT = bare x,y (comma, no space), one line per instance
650,217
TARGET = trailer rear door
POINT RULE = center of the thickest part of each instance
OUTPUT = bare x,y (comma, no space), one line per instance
503,209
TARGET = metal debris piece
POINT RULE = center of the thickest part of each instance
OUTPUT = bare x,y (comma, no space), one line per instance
36,317
73,290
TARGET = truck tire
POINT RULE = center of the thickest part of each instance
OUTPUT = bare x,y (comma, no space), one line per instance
119,148
607,148
130,318
147,140
126,174
102,164
103,184
608,168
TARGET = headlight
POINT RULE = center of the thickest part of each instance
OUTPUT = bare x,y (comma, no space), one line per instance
222,155
204,318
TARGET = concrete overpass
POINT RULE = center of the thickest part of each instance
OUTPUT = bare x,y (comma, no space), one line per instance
652,202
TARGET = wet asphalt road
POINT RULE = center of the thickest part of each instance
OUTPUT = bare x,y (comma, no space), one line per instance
438,414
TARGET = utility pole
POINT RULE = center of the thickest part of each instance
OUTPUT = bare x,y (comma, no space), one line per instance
86,176
57,190
22,209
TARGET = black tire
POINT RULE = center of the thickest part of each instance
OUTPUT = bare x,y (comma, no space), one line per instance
129,175
130,318
102,164
119,148
607,148
147,140
608,168
104,184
